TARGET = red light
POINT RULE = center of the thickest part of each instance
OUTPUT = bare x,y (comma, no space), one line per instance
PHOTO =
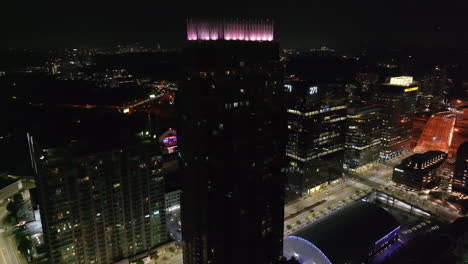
402,121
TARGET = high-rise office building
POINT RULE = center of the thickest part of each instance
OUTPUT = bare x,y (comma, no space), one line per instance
100,201
363,136
231,142
397,98
460,173
316,116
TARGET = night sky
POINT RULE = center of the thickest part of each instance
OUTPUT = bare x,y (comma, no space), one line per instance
299,24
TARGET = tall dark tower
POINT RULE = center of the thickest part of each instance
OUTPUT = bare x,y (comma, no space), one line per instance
460,174
231,136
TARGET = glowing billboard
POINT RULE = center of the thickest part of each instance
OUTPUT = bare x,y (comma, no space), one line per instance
401,80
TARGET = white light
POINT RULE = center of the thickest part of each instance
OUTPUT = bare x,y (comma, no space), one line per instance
313,90
288,87
399,170
152,96
401,80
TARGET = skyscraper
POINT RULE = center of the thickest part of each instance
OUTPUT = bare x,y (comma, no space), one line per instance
363,136
397,98
231,142
101,201
316,117
460,174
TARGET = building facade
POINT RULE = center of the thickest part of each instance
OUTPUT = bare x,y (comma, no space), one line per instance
417,171
230,139
460,173
363,136
316,120
397,98
101,207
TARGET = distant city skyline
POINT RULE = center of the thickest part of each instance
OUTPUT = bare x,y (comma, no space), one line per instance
298,25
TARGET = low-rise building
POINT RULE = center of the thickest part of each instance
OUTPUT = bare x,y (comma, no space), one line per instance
417,171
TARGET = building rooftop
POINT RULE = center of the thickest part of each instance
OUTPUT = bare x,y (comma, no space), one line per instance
233,29
344,236
87,130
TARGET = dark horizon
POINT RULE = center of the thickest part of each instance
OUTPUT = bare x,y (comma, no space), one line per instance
301,26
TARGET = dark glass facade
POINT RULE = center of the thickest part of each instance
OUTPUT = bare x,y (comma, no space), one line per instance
398,103
316,120
363,136
460,174
231,135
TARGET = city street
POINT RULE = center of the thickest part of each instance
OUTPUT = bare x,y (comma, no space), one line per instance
333,196
8,252
379,177
355,185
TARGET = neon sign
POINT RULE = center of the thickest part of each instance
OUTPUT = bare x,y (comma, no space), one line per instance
170,141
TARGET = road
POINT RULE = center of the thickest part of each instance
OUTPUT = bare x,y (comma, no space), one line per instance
335,196
379,177
8,252
356,185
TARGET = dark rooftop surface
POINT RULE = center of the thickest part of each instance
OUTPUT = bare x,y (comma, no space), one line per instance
347,235
5,182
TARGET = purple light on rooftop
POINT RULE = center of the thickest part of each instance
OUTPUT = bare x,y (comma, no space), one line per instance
245,30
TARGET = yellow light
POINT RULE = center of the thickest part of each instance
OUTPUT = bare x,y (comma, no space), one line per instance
126,110
411,89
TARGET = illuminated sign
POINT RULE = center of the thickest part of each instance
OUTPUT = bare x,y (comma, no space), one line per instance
313,90
288,87
152,96
126,110
401,80
399,170
411,89
169,139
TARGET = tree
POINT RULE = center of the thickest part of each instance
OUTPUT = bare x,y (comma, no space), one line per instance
154,256
25,245
18,199
140,261
298,222
171,249
12,207
288,227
